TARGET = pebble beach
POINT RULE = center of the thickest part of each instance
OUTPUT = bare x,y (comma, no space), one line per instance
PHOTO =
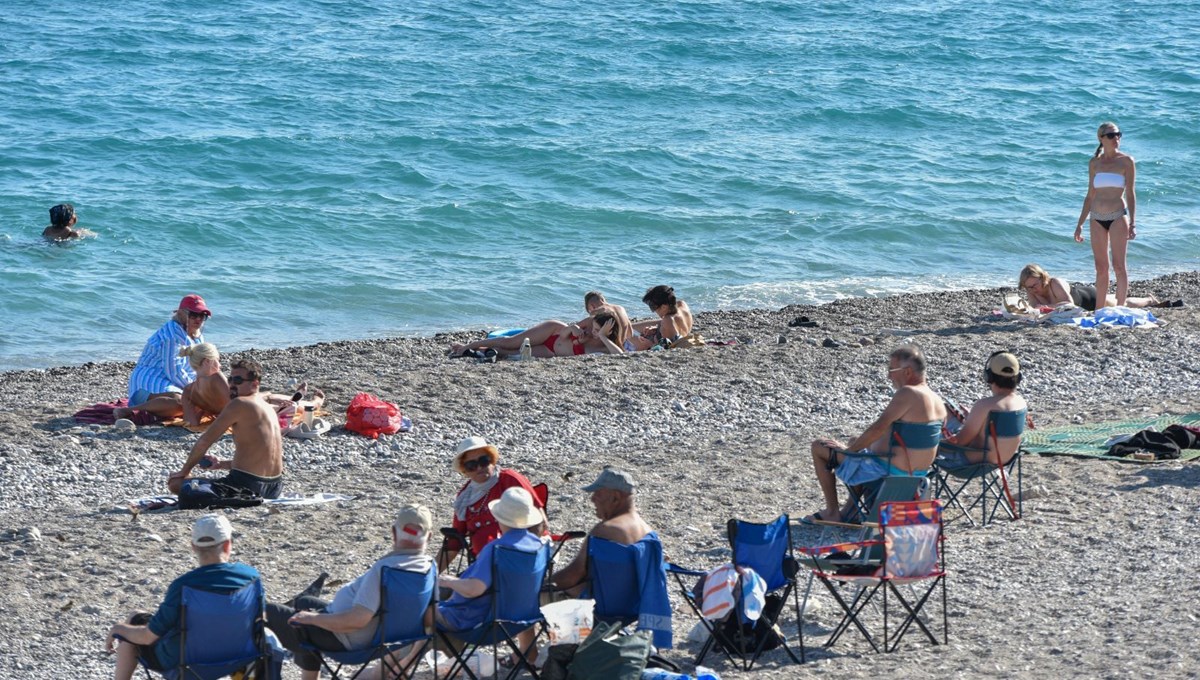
1092,582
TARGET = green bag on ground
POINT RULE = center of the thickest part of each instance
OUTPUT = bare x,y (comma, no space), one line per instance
605,655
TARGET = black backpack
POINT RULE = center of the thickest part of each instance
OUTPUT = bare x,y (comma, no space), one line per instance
744,638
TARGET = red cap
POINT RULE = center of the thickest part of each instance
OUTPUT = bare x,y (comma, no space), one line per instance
194,303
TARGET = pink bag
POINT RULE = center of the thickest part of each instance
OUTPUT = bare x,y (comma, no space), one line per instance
371,416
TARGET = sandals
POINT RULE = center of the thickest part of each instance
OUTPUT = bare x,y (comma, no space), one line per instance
803,322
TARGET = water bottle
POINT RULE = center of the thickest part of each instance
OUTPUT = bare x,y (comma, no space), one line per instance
308,415
526,350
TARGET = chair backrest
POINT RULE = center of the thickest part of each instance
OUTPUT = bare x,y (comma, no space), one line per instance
1005,424
403,599
916,435
762,547
220,631
896,488
912,535
613,573
541,495
517,578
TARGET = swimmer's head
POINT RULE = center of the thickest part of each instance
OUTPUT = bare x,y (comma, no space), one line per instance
62,215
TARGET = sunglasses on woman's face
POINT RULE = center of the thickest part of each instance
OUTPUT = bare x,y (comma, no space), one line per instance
479,463
1111,135
197,315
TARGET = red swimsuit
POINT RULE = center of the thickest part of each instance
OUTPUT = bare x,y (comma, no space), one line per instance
576,346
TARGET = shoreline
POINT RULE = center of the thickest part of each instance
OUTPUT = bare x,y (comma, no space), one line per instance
1137,287
709,433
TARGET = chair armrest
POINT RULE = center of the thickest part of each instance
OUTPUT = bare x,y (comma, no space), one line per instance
817,551
673,568
569,536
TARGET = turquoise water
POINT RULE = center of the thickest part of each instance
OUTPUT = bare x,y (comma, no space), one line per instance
326,170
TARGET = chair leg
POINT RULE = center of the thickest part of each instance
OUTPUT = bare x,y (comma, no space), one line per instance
852,610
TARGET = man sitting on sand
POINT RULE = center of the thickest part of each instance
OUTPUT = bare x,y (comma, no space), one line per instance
257,463
350,620
156,638
913,402
1003,374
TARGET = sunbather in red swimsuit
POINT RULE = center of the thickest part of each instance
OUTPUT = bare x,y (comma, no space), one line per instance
576,346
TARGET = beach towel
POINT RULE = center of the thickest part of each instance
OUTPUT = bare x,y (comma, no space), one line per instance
102,414
1118,317
168,502
1094,440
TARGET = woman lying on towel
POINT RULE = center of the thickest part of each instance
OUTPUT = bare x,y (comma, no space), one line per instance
1044,290
553,339
674,319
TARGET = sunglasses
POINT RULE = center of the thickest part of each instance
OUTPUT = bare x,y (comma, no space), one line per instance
197,315
1112,135
238,380
481,462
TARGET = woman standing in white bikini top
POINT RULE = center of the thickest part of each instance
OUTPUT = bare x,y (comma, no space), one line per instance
1111,204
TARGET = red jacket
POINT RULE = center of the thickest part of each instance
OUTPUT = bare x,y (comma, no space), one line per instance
479,526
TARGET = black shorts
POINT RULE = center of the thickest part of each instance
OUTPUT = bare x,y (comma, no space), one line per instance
1084,295
146,652
265,487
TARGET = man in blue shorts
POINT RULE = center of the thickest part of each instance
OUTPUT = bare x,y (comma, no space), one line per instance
155,638
912,402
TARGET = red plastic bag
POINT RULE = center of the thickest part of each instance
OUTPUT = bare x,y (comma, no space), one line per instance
371,416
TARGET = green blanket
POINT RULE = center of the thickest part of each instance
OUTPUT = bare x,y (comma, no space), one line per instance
1088,440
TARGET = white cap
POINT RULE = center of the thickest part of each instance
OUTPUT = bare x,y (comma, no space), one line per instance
211,530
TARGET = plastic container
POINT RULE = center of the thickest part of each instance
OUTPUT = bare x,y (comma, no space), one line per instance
309,412
526,350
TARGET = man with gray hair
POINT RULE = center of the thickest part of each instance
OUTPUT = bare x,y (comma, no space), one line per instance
613,500
350,620
156,638
912,402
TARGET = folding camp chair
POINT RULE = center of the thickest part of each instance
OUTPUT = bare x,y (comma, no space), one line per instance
404,597
621,576
904,436
912,552
466,556
517,578
952,481
220,633
767,549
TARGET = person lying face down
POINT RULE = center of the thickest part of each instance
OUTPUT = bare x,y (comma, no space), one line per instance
1049,291
912,402
554,339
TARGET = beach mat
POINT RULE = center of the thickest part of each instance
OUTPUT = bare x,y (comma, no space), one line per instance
1087,441
169,502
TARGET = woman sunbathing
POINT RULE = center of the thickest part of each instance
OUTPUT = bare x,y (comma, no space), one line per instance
594,303
209,393
553,339
1047,291
674,319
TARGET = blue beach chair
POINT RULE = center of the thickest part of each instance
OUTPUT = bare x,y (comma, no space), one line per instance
404,598
220,633
629,585
515,592
954,475
767,550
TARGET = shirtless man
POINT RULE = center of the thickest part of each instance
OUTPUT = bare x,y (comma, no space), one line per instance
1003,374
257,462
912,402
612,498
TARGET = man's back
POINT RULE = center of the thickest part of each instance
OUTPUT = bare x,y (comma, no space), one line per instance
627,528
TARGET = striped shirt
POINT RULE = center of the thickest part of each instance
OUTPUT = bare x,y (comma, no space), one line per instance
161,369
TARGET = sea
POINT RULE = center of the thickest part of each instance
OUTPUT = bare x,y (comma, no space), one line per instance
345,169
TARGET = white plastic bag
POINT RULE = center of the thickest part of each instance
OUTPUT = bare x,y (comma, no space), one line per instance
570,621
443,662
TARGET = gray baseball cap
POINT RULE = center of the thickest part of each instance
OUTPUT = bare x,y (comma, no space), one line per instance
613,478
